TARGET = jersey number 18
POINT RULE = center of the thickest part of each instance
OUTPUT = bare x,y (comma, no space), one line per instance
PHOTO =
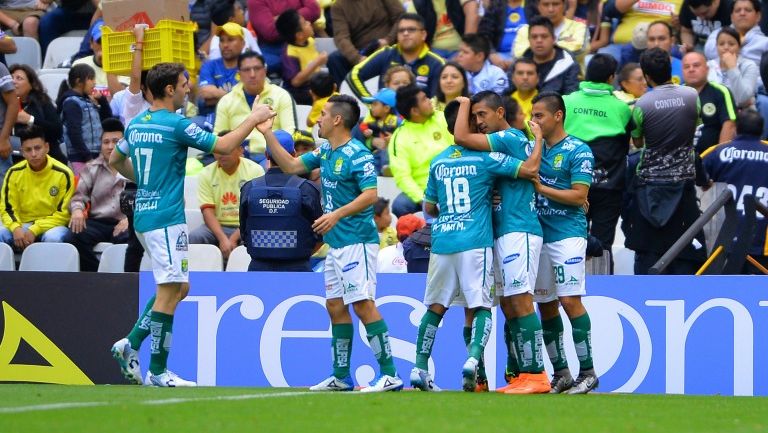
457,194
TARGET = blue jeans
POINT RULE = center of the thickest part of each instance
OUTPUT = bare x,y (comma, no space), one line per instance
55,234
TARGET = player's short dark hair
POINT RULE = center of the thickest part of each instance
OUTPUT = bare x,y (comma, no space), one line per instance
755,4
380,205
730,31
477,43
694,4
30,133
749,122
511,108
451,112
322,84
552,100
162,75
346,106
524,61
541,21
657,65
662,23
407,98
288,24
222,11
489,98
250,54
411,17
601,68
112,124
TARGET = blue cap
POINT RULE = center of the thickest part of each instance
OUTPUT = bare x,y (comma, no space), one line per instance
285,139
386,96
96,29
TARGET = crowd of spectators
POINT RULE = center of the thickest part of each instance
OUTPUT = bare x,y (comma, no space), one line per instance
651,86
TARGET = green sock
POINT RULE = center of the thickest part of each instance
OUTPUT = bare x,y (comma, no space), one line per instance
341,341
481,330
426,338
553,340
378,337
161,327
481,364
582,340
140,330
529,344
510,329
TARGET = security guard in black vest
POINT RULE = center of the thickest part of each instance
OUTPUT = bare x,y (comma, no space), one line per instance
276,215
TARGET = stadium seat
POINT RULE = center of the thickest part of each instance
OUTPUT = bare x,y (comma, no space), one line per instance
27,52
101,247
113,259
190,192
61,49
387,188
7,259
623,260
194,218
203,257
238,260
52,80
302,112
50,256
76,33
325,44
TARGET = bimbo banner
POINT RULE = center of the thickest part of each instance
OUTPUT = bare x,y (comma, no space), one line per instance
667,334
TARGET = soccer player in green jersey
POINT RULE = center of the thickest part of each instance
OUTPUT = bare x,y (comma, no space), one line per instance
153,154
458,194
348,179
563,184
517,245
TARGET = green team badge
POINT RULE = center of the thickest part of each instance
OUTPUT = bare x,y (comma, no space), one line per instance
558,163
338,165
184,265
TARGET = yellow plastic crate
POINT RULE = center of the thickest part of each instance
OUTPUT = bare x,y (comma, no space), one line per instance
168,41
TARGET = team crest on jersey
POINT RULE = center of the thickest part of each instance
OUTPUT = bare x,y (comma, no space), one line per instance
422,70
558,162
184,265
709,109
514,17
268,101
348,151
54,191
437,135
456,154
338,165
181,242
147,118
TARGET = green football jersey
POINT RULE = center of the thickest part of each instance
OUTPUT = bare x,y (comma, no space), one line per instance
566,163
345,172
460,183
157,142
517,211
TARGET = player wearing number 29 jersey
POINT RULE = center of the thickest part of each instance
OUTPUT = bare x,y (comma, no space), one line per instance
157,142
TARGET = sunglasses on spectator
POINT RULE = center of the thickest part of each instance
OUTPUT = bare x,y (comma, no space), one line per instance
409,30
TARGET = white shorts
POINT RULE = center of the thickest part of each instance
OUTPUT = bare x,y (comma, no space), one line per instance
350,273
462,279
561,270
168,248
516,261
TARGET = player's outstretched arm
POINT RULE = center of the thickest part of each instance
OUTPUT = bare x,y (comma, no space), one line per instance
230,142
287,162
530,167
326,222
576,196
461,133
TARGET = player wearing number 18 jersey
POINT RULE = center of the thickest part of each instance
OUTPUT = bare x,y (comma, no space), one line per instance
458,194
564,180
156,142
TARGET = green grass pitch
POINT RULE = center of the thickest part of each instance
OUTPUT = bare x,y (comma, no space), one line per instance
83,409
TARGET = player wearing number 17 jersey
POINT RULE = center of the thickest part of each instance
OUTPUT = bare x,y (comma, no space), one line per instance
153,154
458,194
564,180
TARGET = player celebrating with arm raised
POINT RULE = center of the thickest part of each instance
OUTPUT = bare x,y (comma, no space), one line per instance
348,178
461,262
564,180
518,240
156,142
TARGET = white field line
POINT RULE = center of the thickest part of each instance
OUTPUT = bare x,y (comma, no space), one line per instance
157,402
